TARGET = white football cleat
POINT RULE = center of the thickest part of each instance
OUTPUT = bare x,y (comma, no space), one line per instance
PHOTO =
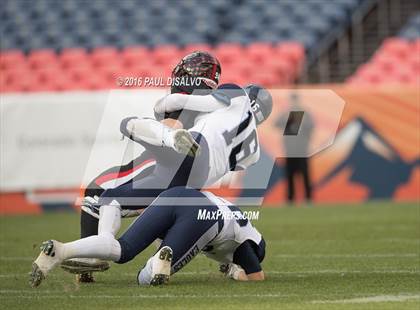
46,261
84,265
161,266
184,143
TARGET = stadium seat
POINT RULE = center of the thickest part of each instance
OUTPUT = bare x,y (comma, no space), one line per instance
189,48
74,57
21,80
81,73
12,59
42,58
136,55
397,61
414,61
259,52
228,52
104,56
283,68
166,55
232,77
242,68
62,40
47,74
78,68
100,23
264,78
400,48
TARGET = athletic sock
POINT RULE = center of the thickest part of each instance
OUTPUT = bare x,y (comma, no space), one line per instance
103,246
88,225
109,218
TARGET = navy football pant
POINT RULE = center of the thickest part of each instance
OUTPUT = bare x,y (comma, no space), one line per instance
88,223
177,225
172,169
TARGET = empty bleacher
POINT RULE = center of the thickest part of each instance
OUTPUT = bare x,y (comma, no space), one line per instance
397,61
31,25
76,68
49,45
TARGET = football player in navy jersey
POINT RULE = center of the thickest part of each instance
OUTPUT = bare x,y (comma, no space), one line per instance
173,217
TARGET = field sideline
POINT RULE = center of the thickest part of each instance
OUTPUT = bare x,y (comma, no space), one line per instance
343,257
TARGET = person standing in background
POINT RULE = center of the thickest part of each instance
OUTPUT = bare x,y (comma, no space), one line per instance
296,126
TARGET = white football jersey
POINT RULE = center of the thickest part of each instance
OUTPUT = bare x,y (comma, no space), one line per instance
232,235
231,134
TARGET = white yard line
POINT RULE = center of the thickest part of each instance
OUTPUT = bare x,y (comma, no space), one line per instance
363,300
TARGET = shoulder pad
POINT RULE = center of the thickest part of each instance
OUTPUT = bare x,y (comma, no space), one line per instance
226,92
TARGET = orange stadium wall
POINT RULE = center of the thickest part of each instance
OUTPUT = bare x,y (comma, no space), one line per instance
375,155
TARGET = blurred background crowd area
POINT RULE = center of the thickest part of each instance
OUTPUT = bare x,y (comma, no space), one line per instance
367,51
77,44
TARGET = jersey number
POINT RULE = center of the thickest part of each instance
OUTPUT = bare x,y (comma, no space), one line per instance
247,147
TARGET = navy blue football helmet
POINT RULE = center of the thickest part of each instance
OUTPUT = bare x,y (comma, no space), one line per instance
261,102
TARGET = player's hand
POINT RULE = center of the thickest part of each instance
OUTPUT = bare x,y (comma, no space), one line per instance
224,268
91,206
127,126
172,123
184,143
125,213
232,271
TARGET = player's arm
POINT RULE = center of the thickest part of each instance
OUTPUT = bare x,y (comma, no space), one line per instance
198,103
246,264
150,131
217,99
147,130
237,273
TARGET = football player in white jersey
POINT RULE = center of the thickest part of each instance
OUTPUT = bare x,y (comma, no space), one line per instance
229,133
174,217
223,148
234,148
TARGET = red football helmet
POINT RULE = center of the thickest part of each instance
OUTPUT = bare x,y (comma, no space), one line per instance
199,64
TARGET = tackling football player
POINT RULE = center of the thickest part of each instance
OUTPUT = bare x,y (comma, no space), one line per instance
232,147
258,97
174,217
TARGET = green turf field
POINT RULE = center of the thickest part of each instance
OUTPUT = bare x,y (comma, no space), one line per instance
344,257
